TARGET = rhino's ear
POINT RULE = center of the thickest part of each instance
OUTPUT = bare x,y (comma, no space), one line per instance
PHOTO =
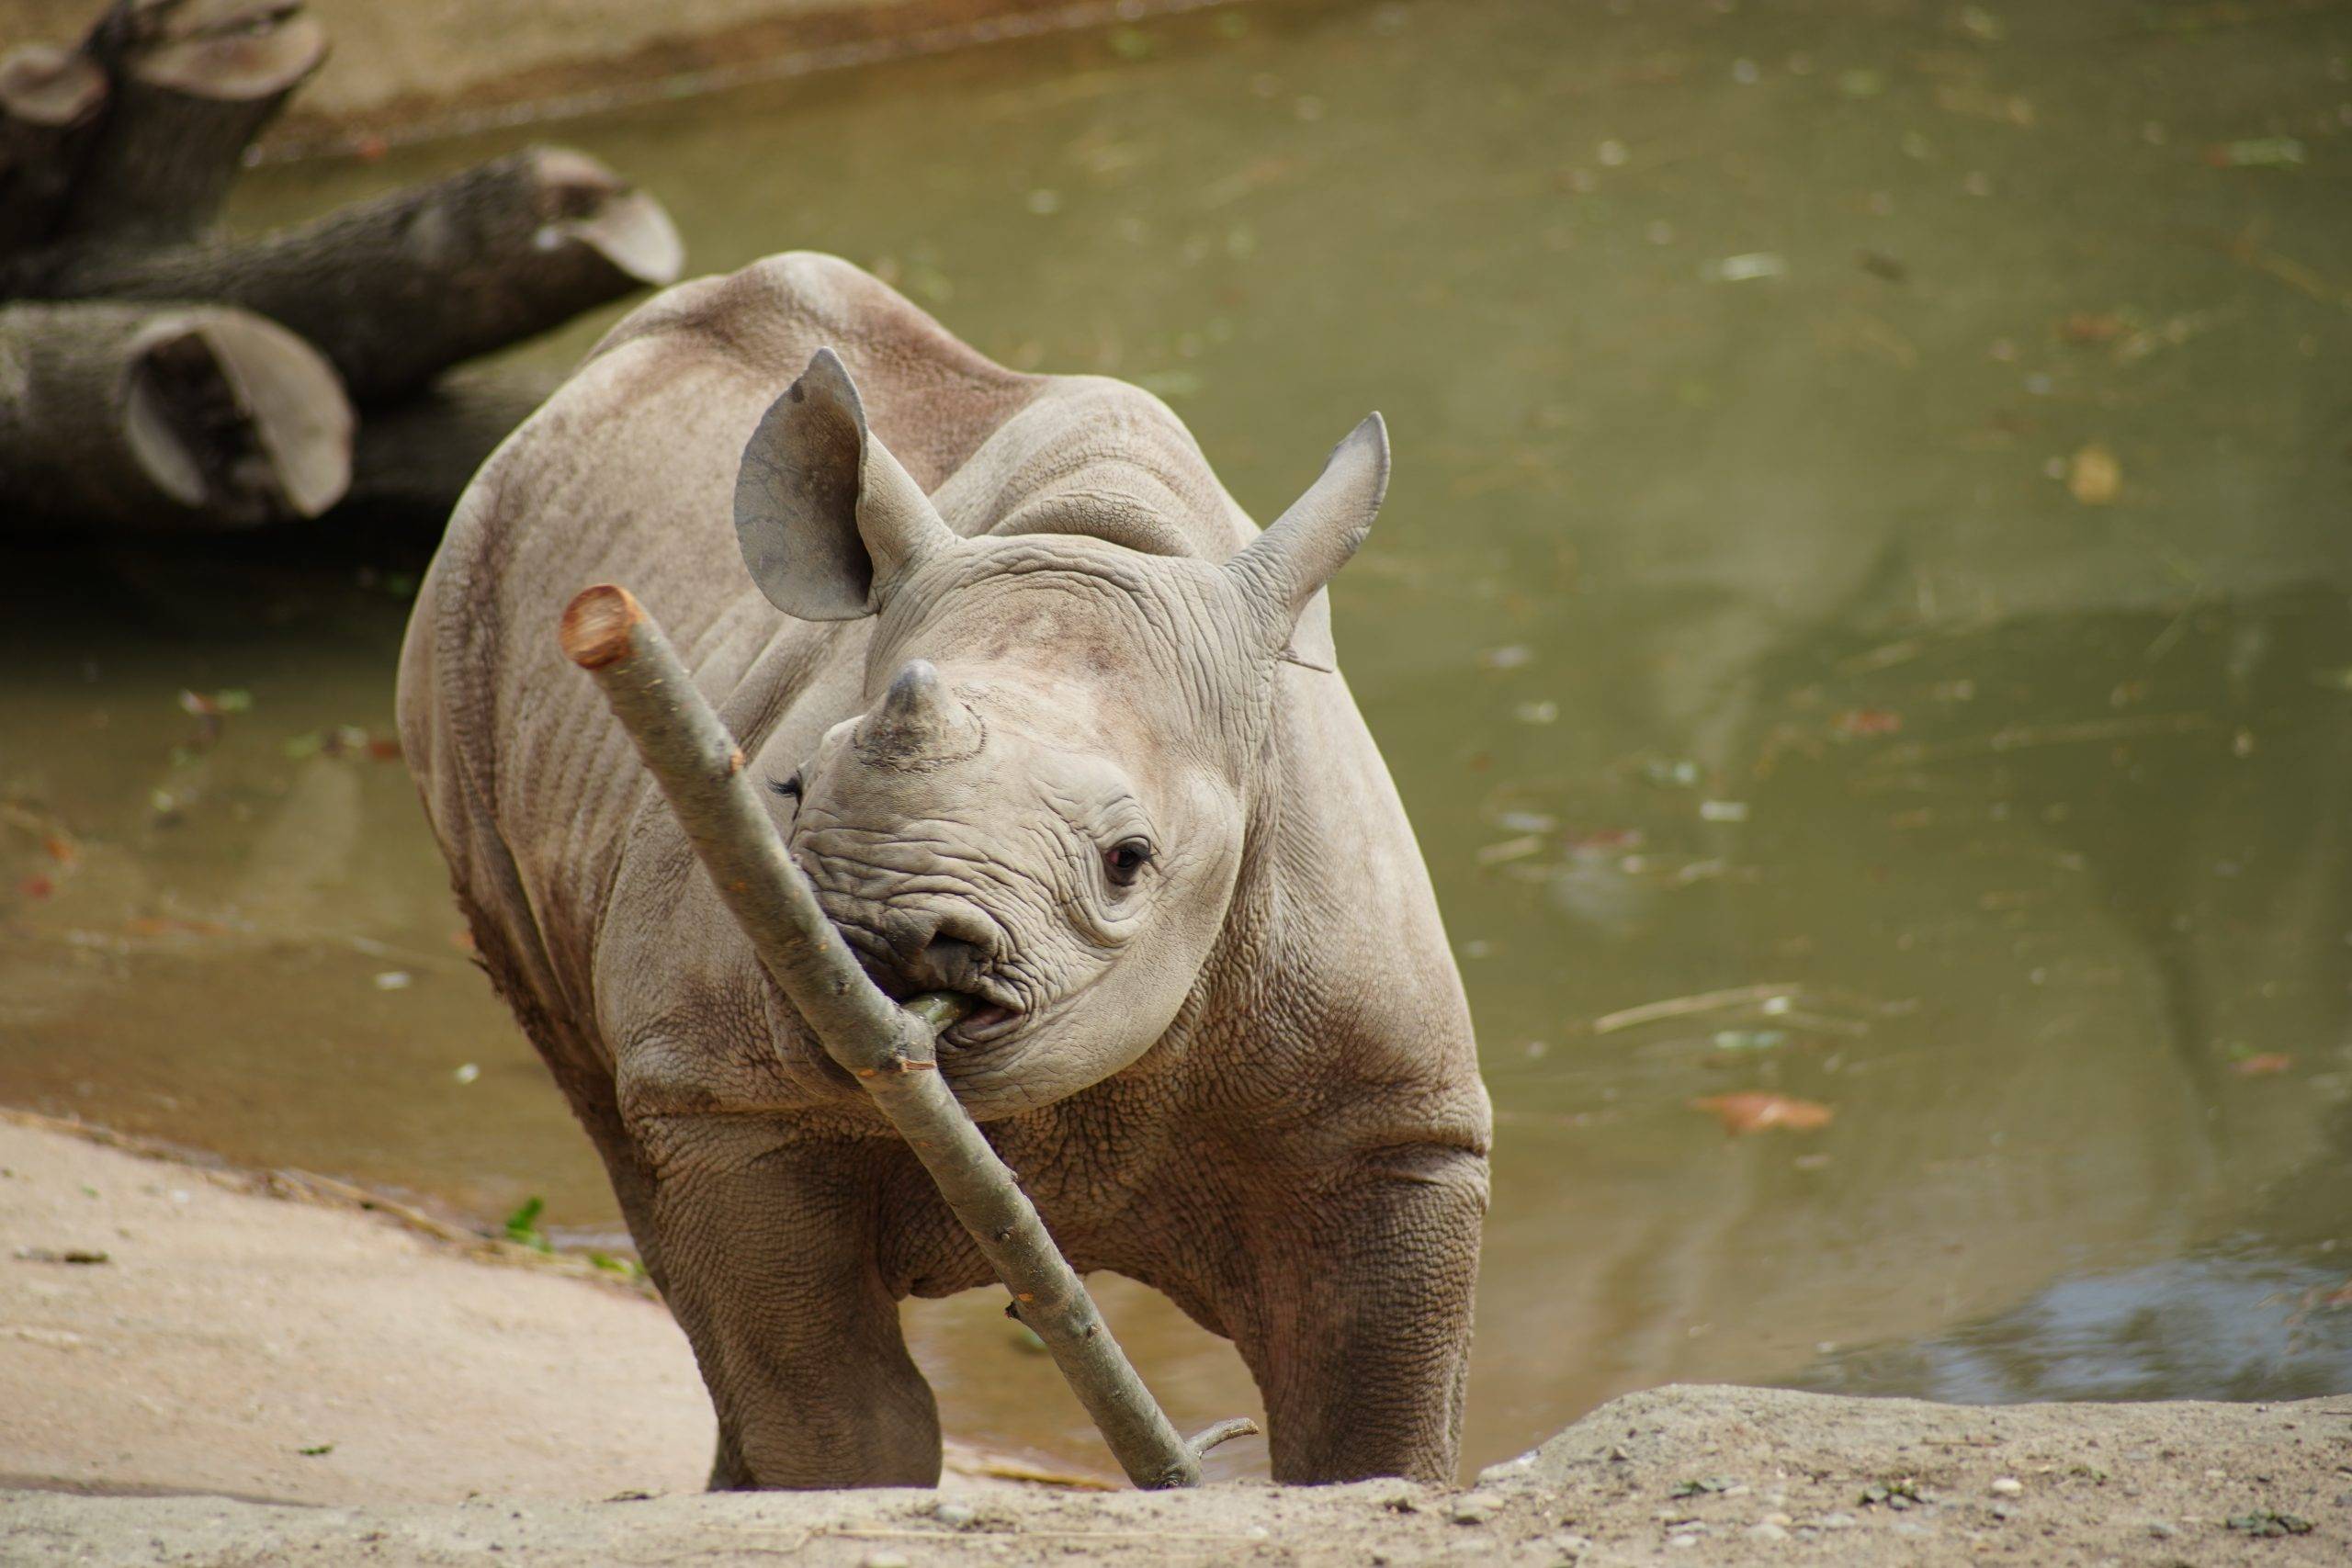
1283,571
826,516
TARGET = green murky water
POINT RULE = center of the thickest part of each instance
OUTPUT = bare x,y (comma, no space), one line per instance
1871,538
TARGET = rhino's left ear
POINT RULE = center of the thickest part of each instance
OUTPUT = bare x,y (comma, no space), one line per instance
1283,571
825,514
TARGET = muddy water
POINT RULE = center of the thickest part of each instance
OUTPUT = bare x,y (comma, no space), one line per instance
1860,617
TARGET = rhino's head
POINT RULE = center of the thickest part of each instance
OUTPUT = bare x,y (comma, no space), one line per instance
1045,803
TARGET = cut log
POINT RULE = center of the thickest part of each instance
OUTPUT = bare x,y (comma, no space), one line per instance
165,416
415,457
195,81
396,289
50,100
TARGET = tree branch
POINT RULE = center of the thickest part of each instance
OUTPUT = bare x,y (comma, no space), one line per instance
890,1050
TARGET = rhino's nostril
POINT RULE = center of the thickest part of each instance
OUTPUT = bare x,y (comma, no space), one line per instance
931,949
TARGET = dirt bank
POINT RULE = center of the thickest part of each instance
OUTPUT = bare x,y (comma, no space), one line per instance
227,1341
445,1407
438,66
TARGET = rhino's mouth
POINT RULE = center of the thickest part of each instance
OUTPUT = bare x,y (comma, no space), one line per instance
987,1022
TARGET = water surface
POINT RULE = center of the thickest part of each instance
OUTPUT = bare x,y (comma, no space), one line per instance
1869,551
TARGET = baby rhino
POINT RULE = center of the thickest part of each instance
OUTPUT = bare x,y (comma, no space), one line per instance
1047,721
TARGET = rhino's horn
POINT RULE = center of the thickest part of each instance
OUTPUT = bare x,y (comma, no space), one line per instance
919,720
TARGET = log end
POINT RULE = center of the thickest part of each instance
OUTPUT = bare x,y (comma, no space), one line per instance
244,55
595,207
600,626
236,417
42,84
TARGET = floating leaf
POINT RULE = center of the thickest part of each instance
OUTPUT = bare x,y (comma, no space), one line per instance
2090,328
1869,721
2258,152
1746,268
1756,1111
2264,1065
2093,476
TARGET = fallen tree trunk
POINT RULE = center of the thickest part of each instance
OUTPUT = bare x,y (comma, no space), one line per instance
195,81
49,102
889,1049
179,416
397,289
417,456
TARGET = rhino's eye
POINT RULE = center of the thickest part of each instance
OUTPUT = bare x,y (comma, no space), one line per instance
789,788
1126,860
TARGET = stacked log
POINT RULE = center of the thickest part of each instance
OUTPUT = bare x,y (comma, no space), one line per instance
157,374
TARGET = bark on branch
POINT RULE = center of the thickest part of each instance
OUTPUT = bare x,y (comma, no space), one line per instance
891,1049
172,416
399,288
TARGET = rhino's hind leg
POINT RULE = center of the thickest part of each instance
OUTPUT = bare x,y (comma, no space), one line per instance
768,1252
1356,1319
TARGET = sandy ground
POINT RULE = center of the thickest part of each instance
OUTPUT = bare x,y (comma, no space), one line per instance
469,1410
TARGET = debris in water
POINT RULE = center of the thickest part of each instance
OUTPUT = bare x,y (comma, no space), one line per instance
1746,268
2258,152
468,1073
2093,476
394,980
2263,1064
1756,1111
1878,264
1723,811
1869,721
1511,849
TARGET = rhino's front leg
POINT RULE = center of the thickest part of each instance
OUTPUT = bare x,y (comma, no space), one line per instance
768,1253
1357,1323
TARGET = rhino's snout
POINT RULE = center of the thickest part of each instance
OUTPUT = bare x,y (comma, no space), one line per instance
934,948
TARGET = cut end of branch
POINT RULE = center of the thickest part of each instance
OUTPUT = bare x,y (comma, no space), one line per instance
586,202
236,53
44,85
599,626
237,418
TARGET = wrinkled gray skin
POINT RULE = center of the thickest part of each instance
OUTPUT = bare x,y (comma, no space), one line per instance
1112,795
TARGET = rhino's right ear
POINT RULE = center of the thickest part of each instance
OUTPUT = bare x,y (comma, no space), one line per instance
826,516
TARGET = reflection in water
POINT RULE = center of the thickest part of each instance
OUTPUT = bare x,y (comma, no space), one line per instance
1868,524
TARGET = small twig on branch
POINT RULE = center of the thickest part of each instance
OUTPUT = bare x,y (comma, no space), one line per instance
170,416
890,1050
